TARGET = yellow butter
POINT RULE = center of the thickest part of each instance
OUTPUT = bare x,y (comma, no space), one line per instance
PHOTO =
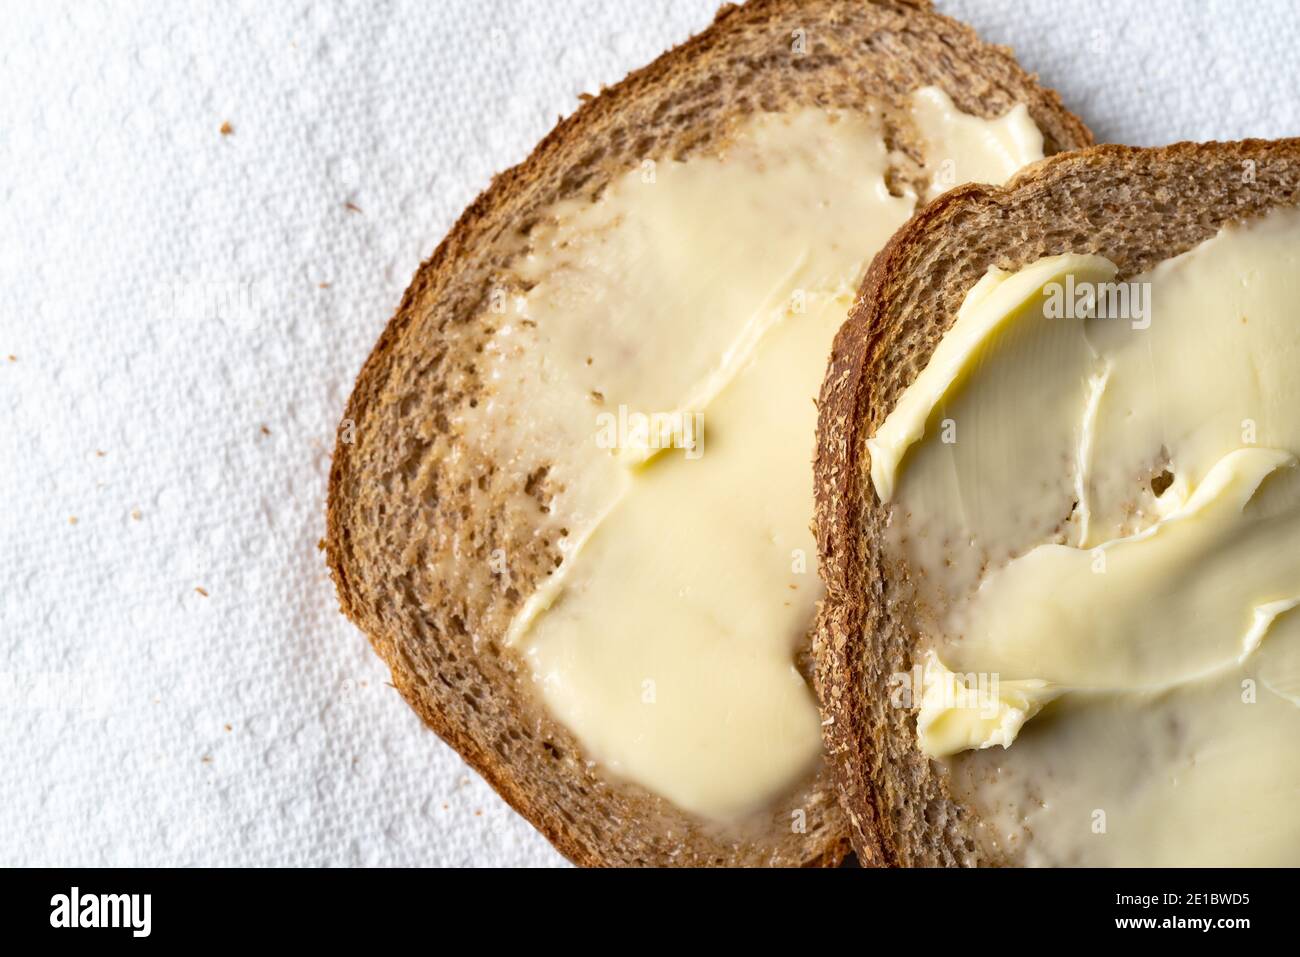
960,712
999,298
961,148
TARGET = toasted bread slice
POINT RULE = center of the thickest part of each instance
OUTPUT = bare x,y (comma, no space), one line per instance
1137,207
417,508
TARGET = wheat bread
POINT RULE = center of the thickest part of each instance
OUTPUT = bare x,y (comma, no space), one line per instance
1136,207
416,510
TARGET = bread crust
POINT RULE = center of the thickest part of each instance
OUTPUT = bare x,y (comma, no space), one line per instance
1134,206
414,511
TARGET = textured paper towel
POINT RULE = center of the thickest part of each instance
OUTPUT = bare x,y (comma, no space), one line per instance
184,311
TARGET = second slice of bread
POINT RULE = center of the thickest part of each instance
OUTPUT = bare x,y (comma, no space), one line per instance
1137,207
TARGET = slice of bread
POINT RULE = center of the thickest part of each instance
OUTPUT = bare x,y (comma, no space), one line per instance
1136,207
416,510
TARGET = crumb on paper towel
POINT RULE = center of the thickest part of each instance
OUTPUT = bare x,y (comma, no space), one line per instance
265,430
201,591
351,207
226,128
136,515
72,520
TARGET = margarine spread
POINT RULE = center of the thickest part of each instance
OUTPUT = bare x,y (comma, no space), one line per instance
683,321
1095,483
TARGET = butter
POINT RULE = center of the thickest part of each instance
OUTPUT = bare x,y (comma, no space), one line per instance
998,299
672,643
1084,616
961,148
957,713
709,289
1160,621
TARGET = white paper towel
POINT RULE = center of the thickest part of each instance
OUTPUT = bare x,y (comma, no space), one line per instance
183,312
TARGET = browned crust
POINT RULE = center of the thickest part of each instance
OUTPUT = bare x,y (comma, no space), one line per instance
1135,206
433,631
